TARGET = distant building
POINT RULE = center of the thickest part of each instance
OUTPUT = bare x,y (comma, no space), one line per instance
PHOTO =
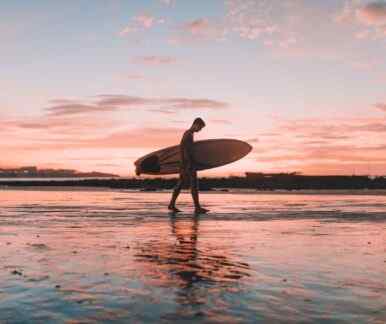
34,172
259,175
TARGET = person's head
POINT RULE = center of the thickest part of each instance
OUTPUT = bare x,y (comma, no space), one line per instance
197,125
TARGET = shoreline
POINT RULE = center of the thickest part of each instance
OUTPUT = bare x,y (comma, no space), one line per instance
271,184
361,192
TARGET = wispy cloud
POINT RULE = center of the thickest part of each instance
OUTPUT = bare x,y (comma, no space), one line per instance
278,24
134,76
369,17
221,121
286,28
155,60
332,153
315,145
52,150
117,101
161,103
168,2
113,102
60,124
380,106
254,19
253,140
373,13
197,26
186,103
146,21
141,22
246,19
137,138
334,129
201,29
76,109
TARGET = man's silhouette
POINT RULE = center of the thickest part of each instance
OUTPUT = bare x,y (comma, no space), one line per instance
188,170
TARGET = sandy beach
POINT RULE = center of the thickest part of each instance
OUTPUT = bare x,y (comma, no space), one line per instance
90,256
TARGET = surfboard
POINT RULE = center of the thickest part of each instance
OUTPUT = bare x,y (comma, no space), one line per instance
207,154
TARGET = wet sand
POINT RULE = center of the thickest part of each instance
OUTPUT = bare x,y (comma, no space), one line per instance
103,255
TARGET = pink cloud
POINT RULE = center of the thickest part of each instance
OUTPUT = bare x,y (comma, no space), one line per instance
331,145
130,139
184,103
325,158
334,129
255,19
197,26
110,103
287,27
346,13
201,29
121,100
373,13
163,111
127,30
167,2
146,21
61,125
348,168
253,140
76,108
380,106
221,121
134,76
155,60
162,103
136,138
140,23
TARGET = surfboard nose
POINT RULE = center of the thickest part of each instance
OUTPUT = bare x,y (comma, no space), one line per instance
249,148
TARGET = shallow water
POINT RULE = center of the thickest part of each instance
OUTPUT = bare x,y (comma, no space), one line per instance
116,256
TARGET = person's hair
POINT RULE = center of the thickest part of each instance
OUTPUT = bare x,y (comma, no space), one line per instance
200,122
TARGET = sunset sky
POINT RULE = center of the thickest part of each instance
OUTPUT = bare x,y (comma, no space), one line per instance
93,85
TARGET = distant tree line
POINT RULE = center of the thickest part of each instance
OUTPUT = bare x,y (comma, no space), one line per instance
254,181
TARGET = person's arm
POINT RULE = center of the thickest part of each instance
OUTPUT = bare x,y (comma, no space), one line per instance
187,148
189,158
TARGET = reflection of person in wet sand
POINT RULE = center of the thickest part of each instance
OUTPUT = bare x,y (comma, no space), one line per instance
189,267
197,272
188,172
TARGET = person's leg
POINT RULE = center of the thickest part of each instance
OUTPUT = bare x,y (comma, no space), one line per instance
176,192
194,189
194,186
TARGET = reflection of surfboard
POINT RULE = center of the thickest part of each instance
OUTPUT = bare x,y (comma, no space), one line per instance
207,154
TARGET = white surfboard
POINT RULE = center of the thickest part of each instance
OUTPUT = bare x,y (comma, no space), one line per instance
207,154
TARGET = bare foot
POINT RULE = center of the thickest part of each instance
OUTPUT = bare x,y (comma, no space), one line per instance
174,209
201,210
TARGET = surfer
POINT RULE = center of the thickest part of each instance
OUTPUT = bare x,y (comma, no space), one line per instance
188,170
